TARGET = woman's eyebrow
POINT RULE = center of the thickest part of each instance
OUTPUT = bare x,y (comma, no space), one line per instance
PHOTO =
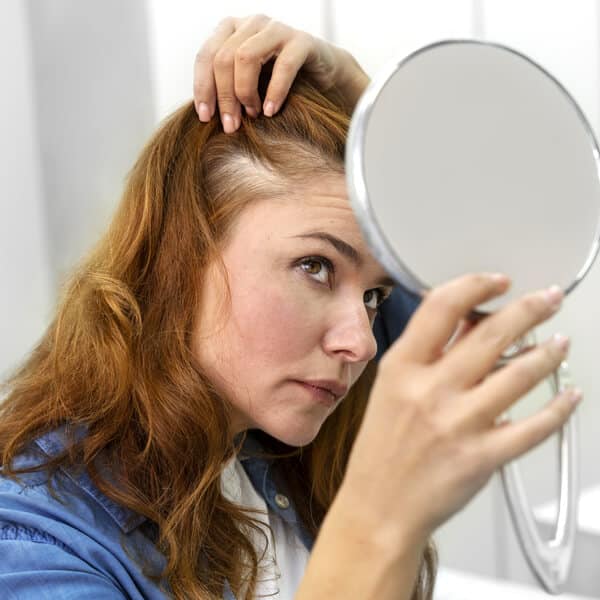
344,249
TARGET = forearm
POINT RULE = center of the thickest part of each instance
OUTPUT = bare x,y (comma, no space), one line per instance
351,560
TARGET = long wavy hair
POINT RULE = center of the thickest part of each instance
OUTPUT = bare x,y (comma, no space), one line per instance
117,360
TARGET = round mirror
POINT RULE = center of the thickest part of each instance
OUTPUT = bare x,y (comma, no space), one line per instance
468,157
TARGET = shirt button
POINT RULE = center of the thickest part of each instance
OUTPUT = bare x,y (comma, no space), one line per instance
282,501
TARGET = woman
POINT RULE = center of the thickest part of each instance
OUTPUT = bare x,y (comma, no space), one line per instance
196,415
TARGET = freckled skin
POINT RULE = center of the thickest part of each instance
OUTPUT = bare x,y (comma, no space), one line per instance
286,324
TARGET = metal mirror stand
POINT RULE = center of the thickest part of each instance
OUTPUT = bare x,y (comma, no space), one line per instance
550,561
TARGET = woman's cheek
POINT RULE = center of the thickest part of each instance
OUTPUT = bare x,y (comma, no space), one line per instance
280,316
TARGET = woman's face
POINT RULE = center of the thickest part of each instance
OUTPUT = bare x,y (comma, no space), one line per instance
304,292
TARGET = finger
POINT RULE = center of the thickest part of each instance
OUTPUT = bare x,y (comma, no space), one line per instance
291,58
509,441
475,355
247,71
501,389
443,307
224,70
205,95
463,328
252,55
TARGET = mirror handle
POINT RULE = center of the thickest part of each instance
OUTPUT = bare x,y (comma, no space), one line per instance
550,561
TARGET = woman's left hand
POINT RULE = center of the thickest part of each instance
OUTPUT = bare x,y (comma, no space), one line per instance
228,65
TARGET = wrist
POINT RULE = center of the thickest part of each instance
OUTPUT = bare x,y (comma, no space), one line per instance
396,538
366,564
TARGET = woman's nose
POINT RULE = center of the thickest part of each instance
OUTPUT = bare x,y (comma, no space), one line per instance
351,335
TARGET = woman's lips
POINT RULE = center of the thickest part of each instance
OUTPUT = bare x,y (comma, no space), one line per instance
320,394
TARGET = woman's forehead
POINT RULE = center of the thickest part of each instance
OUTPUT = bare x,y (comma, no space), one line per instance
320,202
316,207
316,214
325,195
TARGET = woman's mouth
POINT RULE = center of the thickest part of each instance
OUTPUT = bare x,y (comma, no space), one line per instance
323,393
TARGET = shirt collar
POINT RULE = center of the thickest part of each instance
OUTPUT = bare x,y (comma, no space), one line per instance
272,488
56,442
258,469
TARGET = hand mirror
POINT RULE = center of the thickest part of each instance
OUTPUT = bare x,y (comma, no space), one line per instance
467,157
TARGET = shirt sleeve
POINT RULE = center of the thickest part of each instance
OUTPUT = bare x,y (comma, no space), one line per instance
37,570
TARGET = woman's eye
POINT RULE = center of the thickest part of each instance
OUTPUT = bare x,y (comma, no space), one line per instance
373,298
318,268
321,269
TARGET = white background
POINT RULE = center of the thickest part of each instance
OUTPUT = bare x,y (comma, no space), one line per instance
84,85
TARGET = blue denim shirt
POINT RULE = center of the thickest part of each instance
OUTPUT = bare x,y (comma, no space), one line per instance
78,543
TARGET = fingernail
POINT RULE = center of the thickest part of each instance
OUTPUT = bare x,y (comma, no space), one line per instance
575,396
562,342
554,296
251,111
237,119
228,123
204,112
499,278
269,108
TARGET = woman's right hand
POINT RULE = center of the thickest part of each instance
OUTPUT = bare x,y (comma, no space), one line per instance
430,438
228,66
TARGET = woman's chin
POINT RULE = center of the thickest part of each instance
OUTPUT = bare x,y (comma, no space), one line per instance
294,436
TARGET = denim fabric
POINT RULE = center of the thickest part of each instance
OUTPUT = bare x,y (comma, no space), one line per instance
77,543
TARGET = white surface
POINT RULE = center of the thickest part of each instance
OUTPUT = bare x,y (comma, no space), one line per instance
457,585
588,519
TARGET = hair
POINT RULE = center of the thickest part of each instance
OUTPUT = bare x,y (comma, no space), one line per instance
117,360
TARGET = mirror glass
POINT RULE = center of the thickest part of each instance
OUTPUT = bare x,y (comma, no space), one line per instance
468,157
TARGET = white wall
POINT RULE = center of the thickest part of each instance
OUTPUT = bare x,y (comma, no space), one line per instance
24,273
94,105
388,30
76,106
